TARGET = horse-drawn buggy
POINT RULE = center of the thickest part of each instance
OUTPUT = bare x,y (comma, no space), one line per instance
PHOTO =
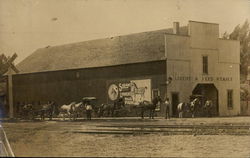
115,109
33,111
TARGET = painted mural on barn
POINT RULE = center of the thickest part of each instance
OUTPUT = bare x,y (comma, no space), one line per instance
134,91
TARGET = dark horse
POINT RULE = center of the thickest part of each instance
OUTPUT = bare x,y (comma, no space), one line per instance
111,109
48,110
146,105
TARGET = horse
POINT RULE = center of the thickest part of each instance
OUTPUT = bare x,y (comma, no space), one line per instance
26,111
188,107
119,103
100,110
193,106
147,105
111,109
67,110
180,109
77,109
48,109
106,110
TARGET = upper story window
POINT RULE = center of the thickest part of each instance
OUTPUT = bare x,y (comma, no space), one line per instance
205,64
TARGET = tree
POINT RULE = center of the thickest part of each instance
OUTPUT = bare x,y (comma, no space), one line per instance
242,33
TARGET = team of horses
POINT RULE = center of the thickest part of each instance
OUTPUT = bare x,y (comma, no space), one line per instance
195,108
75,110
72,110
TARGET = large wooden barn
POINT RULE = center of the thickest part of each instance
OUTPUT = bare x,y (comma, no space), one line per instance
137,67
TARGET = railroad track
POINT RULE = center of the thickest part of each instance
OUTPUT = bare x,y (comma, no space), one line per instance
180,126
168,129
138,128
5,148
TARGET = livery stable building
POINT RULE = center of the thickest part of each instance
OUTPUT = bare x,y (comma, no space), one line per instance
137,67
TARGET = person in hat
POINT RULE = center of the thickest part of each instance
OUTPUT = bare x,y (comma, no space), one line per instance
88,110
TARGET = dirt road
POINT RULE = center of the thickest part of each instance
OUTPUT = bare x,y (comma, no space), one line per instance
199,137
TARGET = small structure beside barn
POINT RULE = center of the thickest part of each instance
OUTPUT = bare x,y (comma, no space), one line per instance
137,67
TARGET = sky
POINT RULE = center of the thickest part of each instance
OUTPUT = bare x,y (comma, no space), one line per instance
26,25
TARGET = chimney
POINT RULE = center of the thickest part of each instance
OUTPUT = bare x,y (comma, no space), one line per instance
176,28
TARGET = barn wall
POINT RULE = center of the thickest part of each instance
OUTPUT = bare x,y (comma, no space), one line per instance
72,85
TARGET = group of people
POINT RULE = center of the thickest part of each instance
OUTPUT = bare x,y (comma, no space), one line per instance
207,108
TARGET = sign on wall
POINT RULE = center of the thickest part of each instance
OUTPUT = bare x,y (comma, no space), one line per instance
202,78
134,91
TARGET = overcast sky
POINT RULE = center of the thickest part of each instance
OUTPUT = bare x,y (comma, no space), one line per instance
26,25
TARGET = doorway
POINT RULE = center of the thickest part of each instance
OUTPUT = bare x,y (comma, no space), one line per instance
208,92
175,102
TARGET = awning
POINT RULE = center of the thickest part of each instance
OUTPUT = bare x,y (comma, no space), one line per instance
88,98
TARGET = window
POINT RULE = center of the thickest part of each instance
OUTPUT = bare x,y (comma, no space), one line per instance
205,64
230,98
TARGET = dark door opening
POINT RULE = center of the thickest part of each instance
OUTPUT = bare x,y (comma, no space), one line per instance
175,102
208,92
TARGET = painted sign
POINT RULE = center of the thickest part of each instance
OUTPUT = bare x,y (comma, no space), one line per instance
113,92
203,78
134,91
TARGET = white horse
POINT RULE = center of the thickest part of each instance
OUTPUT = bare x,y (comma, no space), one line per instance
180,108
191,106
67,110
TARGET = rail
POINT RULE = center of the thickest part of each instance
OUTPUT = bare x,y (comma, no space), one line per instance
5,148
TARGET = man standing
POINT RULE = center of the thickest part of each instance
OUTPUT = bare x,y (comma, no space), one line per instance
208,108
88,110
167,103
155,101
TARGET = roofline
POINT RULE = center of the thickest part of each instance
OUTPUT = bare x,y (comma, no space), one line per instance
203,22
20,73
176,34
102,38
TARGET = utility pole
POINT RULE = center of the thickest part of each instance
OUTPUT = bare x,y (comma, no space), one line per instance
10,93
10,68
166,57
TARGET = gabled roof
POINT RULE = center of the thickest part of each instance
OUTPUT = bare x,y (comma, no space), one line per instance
133,48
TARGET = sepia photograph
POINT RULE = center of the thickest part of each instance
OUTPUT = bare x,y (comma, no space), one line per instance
125,78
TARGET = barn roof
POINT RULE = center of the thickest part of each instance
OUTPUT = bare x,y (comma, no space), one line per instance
133,48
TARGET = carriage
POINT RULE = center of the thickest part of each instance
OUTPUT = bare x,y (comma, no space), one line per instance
32,111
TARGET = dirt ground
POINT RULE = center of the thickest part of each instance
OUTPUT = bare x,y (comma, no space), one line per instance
123,137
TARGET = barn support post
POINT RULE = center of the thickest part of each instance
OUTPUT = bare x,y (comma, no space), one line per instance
10,94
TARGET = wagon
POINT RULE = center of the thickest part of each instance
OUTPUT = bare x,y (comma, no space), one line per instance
92,101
